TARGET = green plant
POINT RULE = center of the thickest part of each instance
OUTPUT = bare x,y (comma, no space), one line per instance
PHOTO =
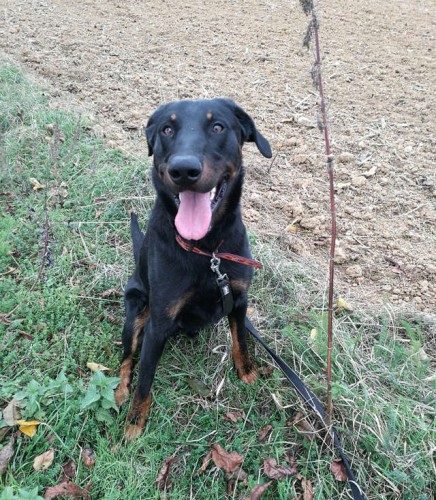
10,493
99,397
36,397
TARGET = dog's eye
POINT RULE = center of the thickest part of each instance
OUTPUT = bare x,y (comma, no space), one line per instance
217,128
168,131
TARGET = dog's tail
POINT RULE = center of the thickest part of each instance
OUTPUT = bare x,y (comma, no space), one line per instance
137,236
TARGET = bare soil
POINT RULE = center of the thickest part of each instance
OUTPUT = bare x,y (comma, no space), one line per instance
117,61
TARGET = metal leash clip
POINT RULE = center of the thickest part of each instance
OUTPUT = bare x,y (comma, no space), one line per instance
223,284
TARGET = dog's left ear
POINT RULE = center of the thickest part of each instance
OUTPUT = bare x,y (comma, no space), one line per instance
250,132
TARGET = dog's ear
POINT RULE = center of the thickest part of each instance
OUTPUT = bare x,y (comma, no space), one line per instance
150,134
249,130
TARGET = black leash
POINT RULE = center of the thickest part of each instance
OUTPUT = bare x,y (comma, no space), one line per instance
310,398
305,393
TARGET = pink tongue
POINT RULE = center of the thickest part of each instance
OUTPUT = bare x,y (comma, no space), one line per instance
194,215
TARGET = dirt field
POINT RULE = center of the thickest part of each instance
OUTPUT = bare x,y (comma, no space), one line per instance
116,61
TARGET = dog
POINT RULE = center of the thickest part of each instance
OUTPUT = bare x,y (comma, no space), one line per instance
195,224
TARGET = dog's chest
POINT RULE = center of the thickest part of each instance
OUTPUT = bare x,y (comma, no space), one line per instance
198,306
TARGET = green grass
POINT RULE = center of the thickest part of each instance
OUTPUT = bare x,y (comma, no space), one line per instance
55,318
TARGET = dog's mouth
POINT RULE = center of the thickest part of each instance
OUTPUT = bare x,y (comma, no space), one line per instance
194,215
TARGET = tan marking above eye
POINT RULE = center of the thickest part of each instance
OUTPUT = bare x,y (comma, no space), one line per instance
209,115
173,117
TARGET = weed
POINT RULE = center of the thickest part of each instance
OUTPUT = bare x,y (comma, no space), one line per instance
54,321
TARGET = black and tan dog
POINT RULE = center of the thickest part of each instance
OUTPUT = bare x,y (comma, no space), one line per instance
198,177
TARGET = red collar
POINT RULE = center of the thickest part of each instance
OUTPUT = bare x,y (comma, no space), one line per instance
189,247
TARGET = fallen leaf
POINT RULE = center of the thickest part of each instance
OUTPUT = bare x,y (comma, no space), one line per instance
304,427
43,461
198,386
275,471
36,184
95,367
342,304
11,413
111,291
338,470
234,416
88,457
232,479
66,489
6,453
371,171
224,460
69,469
28,428
307,489
206,461
314,333
258,490
265,370
263,433
163,481
292,229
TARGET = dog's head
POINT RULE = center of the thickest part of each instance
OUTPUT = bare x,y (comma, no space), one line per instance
197,158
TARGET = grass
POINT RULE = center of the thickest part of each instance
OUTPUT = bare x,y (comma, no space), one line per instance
58,316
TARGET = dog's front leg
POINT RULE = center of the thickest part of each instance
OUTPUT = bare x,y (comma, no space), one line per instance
152,347
244,365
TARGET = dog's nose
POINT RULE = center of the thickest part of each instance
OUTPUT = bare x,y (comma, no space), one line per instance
184,170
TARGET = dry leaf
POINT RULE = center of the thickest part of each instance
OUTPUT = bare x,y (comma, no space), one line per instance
198,386
88,457
263,433
43,461
258,490
28,428
163,481
275,471
111,291
264,371
224,460
232,479
69,469
66,489
94,367
342,304
303,426
234,416
206,461
292,229
36,184
6,453
307,489
11,413
371,171
314,333
338,470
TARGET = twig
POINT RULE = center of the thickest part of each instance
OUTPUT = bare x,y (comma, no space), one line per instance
313,29
46,243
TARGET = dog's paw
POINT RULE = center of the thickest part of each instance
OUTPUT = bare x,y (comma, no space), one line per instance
121,394
248,377
132,431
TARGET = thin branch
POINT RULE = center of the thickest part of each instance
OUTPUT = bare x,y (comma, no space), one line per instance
313,29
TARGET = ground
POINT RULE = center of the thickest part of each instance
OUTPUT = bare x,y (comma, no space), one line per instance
116,61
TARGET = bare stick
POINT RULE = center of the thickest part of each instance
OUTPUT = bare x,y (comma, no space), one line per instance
313,27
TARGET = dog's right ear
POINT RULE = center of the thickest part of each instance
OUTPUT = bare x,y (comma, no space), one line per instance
150,134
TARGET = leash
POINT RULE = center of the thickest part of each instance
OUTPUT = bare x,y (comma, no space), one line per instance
309,397
189,247
306,394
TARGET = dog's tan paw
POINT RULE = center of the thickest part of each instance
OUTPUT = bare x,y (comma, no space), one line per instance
132,431
121,394
248,378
